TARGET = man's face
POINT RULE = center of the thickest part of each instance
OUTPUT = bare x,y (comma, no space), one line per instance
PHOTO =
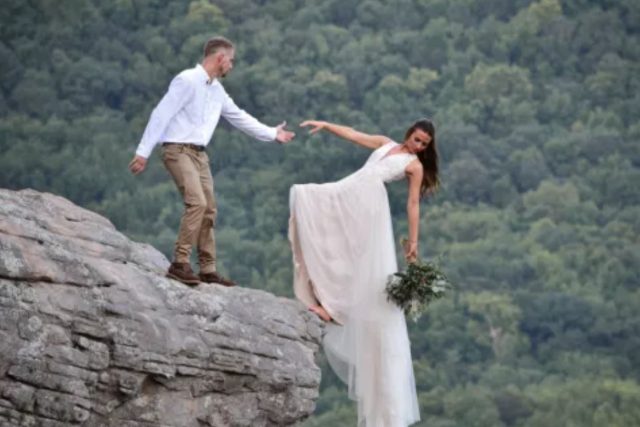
225,61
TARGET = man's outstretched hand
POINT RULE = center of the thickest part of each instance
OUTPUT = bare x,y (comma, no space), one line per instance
137,165
283,136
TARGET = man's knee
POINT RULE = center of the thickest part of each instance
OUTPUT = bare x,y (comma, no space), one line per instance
211,212
196,204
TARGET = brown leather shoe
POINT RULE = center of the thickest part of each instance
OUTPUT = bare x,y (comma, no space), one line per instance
216,278
182,272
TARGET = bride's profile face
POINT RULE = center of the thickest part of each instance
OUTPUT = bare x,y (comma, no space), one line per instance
418,141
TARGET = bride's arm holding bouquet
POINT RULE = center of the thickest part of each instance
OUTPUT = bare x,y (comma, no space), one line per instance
414,175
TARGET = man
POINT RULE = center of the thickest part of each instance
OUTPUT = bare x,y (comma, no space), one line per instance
184,122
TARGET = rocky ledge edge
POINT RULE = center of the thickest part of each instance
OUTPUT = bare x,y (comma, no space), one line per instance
93,334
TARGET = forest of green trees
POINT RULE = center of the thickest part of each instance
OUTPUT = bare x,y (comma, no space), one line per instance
537,108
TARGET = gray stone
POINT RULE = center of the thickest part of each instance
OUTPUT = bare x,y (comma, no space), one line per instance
93,334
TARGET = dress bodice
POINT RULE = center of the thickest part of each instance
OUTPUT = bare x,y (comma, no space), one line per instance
388,167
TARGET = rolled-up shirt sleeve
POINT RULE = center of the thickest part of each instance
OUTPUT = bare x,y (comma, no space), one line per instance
248,124
179,93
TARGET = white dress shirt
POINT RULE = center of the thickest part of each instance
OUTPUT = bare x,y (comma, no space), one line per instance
190,110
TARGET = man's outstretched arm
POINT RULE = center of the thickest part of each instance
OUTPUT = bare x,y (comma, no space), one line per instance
242,120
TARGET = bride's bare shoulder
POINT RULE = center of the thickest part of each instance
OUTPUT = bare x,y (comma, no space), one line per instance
415,167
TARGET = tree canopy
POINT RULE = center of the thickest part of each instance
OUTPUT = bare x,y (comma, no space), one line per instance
537,110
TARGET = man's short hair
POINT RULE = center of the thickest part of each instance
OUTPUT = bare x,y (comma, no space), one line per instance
215,44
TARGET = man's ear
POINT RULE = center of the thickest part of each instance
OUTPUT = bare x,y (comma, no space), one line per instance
216,57
221,54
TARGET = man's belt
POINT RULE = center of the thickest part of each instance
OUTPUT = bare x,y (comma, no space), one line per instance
195,147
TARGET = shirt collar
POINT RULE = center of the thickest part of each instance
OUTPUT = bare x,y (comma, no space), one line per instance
203,74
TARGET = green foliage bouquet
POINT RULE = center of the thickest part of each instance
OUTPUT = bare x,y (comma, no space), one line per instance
413,289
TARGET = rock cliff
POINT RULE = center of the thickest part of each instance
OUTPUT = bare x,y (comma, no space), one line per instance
92,334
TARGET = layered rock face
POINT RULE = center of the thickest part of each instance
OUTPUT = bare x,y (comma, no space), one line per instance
92,334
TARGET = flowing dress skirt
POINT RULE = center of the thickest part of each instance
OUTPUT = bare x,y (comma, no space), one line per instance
343,250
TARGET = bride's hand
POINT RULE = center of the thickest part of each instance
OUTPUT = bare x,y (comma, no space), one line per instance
316,125
411,251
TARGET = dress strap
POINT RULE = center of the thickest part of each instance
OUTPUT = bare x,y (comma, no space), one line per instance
387,146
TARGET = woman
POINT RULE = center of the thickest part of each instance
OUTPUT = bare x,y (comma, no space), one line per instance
343,250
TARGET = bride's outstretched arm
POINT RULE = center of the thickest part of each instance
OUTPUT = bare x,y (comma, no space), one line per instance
345,132
414,173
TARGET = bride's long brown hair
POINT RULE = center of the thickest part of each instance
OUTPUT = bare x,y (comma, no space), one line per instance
428,157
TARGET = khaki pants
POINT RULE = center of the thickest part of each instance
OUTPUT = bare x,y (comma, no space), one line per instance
191,173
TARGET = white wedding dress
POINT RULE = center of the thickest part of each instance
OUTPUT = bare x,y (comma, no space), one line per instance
343,251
